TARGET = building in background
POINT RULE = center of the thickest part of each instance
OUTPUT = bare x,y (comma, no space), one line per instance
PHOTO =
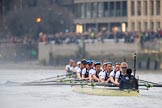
66,3
101,14
112,15
144,15
121,15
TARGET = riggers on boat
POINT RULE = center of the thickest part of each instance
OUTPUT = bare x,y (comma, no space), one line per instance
105,91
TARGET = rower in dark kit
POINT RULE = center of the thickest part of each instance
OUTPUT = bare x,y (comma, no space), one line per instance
124,78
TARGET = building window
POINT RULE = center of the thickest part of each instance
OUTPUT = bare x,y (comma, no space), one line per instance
100,10
139,8
139,26
82,11
88,10
118,9
158,25
132,26
158,7
145,25
152,7
94,10
132,8
77,10
112,9
145,8
152,25
124,7
105,9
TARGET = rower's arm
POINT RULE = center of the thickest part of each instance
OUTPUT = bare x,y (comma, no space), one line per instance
117,81
102,79
95,78
67,68
78,75
84,78
108,80
112,80
90,77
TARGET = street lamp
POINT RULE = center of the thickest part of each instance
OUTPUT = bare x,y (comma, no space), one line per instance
123,27
38,20
79,29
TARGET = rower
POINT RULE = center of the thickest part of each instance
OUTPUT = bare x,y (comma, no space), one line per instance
69,68
85,71
124,78
113,73
104,65
79,70
104,75
77,66
133,80
94,73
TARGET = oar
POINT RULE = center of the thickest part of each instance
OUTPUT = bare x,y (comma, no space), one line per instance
151,85
71,84
58,80
63,81
148,81
58,76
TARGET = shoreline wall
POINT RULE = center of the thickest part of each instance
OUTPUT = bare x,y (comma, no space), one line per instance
60,54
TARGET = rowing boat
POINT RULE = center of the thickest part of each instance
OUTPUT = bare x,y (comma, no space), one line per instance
104,91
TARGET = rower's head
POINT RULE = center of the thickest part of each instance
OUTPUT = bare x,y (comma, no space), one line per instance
129,71
108,66
104,65
117,66
78,63
74,64
89,64
97,66
83,64
124,67
71,62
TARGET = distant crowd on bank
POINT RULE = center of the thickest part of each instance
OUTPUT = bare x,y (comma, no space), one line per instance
72,37
75,38
10,39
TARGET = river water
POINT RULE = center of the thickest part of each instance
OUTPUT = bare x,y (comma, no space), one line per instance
63,97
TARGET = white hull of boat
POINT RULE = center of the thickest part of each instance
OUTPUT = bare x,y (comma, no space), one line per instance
104,91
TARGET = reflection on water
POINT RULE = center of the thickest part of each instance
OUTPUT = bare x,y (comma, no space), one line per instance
62,96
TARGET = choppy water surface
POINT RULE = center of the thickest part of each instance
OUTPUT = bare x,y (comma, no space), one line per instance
63,97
